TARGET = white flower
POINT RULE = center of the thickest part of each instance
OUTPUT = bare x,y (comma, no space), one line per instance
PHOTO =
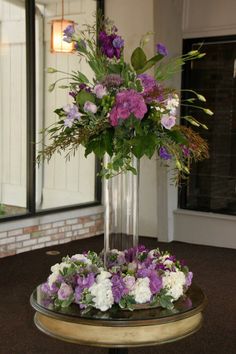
174,282
90,107
102,276
164,259
56,268
141,290
102,292
172,103
81,258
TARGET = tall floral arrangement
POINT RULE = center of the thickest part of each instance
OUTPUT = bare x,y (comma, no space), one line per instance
124,110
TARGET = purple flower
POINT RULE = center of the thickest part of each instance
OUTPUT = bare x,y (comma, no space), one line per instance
112,80
78,294
185,150
168,121
64,292
189,278
100,91
118,287
155,280
161,49
164,154
68,33
108,48
127,102
72,114
90,107
86,281
118,42
151,90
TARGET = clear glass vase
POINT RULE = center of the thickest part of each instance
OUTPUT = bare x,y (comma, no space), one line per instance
121,202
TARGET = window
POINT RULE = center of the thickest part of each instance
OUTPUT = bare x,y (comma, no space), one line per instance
26,107
212,183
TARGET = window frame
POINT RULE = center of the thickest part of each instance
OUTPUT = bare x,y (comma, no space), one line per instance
31,210
187,47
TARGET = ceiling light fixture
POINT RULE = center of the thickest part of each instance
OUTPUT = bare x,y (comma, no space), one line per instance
58,45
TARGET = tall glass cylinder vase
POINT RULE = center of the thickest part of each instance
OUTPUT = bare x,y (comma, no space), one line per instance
121,201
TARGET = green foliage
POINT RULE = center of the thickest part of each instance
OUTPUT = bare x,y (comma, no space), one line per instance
84,96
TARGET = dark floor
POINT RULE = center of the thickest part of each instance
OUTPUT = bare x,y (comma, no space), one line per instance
214,270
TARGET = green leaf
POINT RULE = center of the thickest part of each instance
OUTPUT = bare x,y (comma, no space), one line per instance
144,145
177,136
108,141
150,63
84,96
138,58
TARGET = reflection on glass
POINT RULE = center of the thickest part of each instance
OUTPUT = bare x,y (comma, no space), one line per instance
12,108
60,182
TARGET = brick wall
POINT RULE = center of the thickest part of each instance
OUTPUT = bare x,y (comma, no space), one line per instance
44,231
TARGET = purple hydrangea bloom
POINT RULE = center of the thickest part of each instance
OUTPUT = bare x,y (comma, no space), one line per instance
68,33
151,90
127,102
164,154
118,287
161,49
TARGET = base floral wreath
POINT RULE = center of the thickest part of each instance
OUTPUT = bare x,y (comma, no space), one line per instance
133,276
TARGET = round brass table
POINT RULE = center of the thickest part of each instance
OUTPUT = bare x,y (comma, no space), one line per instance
118,329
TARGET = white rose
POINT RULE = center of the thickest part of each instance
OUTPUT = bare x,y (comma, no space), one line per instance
174,282
102,276
102,292
141,290
55,268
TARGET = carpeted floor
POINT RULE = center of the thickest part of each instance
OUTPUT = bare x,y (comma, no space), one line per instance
214,270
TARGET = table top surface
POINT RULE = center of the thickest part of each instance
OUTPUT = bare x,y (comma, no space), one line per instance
191,303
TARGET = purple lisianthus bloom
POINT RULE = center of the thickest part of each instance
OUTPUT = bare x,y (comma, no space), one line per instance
118,42
64,292
127,102
161,49
168,121
164,154
108,48
72,114
151,90
68,33
100,90
118,287
189,278
90,107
